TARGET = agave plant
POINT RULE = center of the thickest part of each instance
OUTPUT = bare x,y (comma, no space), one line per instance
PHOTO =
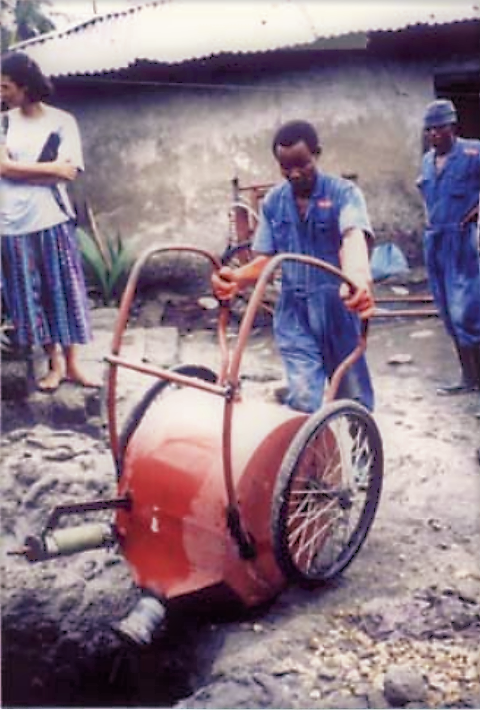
107,261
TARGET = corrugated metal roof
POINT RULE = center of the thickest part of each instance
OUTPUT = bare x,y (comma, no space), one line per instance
174,31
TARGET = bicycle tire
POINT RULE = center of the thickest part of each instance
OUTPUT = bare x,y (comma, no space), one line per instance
318,488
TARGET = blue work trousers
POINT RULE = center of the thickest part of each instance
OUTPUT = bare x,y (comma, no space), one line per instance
452,262
314,333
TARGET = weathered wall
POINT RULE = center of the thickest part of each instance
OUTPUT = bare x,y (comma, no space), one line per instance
159,160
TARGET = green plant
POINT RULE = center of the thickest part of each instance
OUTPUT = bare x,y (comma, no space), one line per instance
107,262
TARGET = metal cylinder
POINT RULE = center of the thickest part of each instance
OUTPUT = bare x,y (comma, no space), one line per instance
179,535
67,541
143,621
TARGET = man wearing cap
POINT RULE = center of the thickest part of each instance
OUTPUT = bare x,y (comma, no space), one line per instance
316,322
450,186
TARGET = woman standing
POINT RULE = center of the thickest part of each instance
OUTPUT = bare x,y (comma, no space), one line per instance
42,276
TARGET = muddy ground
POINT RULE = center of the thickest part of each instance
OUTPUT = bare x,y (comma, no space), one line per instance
399,628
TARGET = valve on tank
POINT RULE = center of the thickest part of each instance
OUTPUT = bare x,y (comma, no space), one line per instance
143,621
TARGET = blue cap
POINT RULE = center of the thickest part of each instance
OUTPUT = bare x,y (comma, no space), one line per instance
440,113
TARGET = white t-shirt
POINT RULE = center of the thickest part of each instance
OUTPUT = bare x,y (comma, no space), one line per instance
28,208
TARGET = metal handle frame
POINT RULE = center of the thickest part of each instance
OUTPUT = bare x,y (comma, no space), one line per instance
227,385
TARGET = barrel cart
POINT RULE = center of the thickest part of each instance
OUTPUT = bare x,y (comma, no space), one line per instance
218,490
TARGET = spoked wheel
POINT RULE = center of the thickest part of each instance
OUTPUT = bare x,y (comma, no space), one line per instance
135,416
327,492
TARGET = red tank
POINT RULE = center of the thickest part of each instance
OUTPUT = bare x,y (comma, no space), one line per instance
175,537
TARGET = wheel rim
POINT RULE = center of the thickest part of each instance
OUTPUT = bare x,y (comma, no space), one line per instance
329,489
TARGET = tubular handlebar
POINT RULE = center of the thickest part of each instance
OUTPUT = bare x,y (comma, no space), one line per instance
256,298
122,319
229,369
228,379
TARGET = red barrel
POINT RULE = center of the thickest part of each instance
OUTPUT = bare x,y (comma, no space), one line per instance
175,537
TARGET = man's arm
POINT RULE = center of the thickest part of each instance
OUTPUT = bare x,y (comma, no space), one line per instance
227,282
355,265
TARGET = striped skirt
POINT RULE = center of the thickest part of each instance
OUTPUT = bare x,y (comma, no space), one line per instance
43,286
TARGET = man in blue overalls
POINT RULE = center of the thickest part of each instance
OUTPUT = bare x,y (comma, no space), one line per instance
316,322
450,186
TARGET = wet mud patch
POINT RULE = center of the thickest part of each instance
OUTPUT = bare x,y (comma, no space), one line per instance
429,614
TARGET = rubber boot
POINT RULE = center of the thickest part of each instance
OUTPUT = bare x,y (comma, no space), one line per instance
468,356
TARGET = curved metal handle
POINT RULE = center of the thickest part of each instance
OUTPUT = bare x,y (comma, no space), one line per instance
257,296
233,373
122,319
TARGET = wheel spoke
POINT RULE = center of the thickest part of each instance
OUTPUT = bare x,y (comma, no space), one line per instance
307,518
312,522
308,544
333,481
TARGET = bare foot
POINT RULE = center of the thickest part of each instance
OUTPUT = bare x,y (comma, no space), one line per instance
50,382
79,378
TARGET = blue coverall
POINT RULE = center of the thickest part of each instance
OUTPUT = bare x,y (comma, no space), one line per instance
313,329
451,252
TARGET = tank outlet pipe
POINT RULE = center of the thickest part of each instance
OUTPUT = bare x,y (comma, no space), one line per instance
68,541
143,622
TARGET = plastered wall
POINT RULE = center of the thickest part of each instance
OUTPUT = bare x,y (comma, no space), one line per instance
160,160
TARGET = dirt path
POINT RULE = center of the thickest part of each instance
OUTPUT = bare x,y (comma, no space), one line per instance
401,625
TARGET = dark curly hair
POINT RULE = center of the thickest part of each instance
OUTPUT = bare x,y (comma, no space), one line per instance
295,131
26,73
